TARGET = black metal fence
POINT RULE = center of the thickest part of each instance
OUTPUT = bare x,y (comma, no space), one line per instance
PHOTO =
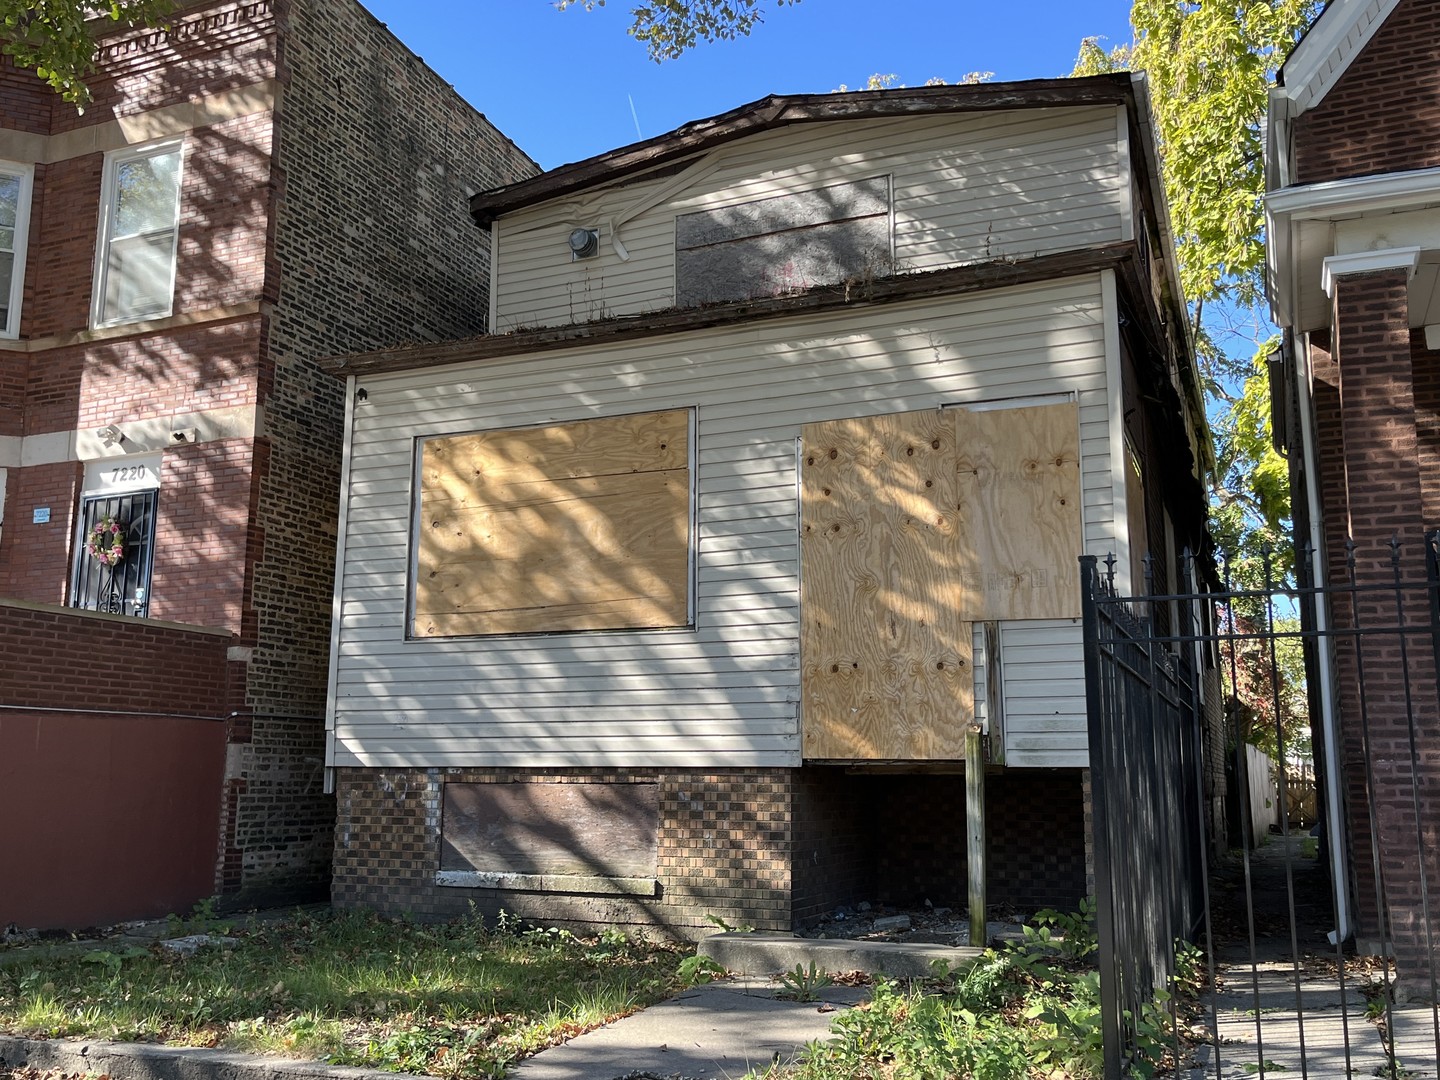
1316,947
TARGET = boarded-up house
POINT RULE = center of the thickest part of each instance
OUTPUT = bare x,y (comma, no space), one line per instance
679,593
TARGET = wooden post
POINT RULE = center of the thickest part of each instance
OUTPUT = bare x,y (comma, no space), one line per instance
975,830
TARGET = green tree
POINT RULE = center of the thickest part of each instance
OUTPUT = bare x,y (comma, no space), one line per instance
668,28
56,38
1210,68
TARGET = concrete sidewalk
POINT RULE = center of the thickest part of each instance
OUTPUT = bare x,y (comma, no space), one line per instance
1275,1021
715,1032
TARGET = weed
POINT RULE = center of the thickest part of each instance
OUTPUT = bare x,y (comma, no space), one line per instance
726,928
1076,930
804,984
697,969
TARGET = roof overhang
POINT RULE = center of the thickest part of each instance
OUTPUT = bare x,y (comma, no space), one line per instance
783,110
1312,223
1326,51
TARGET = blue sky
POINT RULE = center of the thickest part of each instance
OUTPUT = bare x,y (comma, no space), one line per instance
561,84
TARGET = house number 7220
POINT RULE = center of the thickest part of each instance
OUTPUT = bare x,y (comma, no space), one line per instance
127,472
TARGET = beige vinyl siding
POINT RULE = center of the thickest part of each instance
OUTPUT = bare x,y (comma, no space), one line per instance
966,188
727,692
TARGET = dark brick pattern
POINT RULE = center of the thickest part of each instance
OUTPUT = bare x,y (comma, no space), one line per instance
772,848
1383,115
724,849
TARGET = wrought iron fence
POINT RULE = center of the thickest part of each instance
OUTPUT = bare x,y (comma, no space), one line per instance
1317,946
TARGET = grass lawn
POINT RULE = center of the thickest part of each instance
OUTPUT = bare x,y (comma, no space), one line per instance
457,999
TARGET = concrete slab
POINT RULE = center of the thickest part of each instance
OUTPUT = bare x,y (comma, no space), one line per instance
1417,1044
146,1061
1331,1044
767,954
1276,992
715,1032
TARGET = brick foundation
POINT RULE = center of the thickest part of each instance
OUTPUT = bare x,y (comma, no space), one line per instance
769,848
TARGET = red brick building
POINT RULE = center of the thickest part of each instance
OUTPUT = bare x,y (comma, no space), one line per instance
1353,164
259,185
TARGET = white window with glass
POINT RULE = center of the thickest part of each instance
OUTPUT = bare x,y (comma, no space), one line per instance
139,228
15,184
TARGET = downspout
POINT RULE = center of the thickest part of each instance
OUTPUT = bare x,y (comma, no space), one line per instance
1325,662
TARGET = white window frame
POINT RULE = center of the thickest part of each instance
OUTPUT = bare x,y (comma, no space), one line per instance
108,198
26,174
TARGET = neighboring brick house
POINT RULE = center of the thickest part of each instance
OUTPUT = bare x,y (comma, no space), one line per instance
259,185
1353,172
688,590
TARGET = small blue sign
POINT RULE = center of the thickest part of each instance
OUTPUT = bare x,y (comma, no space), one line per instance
40,516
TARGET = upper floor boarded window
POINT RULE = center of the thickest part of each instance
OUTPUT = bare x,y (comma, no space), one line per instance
15,184
578,526
139,227
784,244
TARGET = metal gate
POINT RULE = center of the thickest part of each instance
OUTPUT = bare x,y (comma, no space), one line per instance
1316,946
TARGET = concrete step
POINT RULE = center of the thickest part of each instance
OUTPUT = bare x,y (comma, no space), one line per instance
768,954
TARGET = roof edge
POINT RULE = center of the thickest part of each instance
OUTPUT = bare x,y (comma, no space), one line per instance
974,277
781,110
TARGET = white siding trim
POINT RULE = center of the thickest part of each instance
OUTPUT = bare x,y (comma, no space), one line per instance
1119,462
332,677
1127,181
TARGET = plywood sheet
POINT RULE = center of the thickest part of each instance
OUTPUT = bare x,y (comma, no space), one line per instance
582,526
886,657
1018,481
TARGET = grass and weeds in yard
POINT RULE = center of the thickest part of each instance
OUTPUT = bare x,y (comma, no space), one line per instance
457,1000
1028,1010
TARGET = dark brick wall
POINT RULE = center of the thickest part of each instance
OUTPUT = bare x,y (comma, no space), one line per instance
771,848
832,853
1383,115
1035,838
372,246
724,849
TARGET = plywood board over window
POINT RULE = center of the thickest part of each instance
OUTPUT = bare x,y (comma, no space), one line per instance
915,526
885,654
1019,488
580,526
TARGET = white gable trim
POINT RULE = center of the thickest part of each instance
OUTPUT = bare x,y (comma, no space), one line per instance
1343,29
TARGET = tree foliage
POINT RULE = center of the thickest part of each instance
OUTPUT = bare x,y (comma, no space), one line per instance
1210,68
56,38
668,28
